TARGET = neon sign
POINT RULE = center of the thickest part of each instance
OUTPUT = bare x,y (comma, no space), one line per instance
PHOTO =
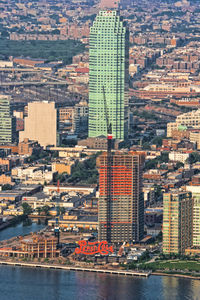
91,248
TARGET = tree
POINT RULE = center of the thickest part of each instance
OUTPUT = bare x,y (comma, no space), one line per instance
27,210
46,209
39,210
194,157
6,187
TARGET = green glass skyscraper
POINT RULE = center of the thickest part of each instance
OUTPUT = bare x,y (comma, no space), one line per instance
109,62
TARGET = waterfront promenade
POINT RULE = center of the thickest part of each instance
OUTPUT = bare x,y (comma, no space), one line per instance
73,268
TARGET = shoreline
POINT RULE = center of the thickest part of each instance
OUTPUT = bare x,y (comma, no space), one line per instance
175,275
104,271
74,268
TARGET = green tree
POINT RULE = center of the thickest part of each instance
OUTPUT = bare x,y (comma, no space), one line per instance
39,210
27,210
194,157
46,209
6,187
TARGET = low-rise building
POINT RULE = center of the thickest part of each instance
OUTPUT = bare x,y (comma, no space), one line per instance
178,156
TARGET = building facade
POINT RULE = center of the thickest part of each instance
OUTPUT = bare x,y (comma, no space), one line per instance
126,216
108,75
41,125
80,121
177,222
187,120
195,190
7,121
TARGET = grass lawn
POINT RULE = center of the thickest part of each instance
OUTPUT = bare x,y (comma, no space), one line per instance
174,265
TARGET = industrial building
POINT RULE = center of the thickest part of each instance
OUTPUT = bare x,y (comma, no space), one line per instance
35,246
124,216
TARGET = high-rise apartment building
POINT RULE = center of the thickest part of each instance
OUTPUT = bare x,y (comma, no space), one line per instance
195,190
108,72
125,211
41,124
177,222
7,121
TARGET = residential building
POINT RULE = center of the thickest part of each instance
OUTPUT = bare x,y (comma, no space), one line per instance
108,73
195,138
178,156
41,125
80,120
177,222
28,147
63,166
109,3
190,119
125,214
7,121
195,190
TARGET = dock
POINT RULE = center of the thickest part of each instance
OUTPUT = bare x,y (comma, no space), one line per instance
73,268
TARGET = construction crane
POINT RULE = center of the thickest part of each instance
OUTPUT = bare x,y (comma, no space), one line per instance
57,231
109,169
57,227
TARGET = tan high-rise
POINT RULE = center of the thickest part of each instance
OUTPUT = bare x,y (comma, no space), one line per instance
41,123
177,221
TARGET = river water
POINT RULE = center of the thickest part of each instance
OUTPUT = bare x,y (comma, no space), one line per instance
18,283
20,229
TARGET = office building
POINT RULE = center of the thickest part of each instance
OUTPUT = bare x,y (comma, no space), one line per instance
41,124
108,73
177,222
7,121
125,214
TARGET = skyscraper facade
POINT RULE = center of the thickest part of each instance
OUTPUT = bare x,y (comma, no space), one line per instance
41,125
177,222
109,61
195,190
125,213
7,121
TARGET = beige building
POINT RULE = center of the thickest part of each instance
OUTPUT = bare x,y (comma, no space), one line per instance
195,190
195,138
41,124
177,221
191,119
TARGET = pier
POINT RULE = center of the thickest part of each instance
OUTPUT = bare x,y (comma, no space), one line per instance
73,268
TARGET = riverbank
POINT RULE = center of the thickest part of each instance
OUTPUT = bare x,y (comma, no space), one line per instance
105,271
74,268
11,222
175,275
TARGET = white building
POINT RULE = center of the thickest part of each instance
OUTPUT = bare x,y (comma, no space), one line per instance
178,156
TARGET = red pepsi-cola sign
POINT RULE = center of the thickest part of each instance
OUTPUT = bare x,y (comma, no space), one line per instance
92,248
